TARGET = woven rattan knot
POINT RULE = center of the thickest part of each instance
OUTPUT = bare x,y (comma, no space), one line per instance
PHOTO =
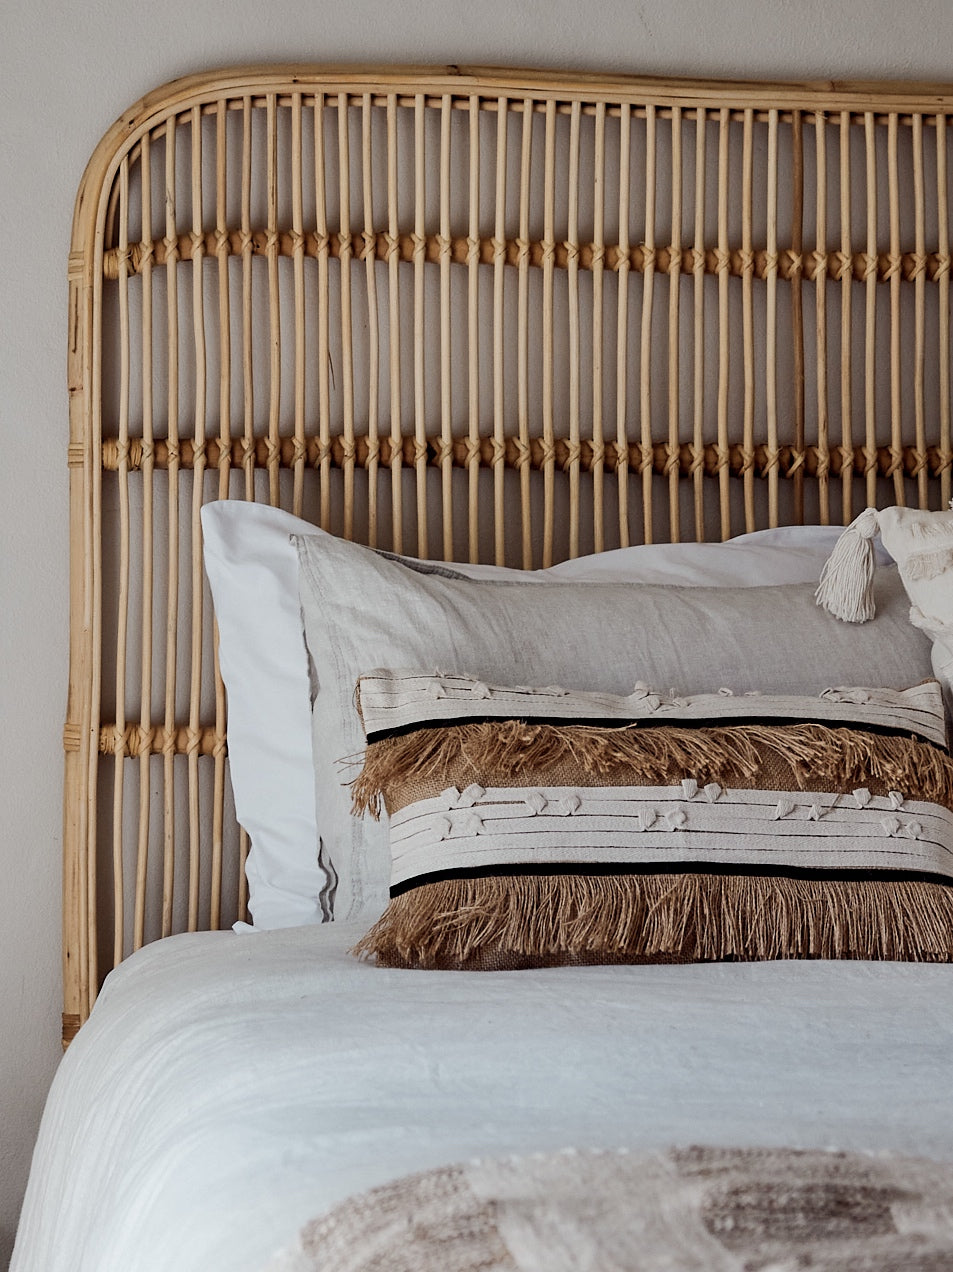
421,452
673,454
944,461
167,742
499,249
147,450
324,451
771,262
391,246
894,265
219,745
345,246
795,263
919,462
598,452
842,265
722,458
845,456
171,246
419,242
819,263
648,257
443,451
368,245
646,459
193,740
918,267
942,265
473,250
747,259
348,450
722,261
147,254
871,459
122,452
498,452
524,455
298,242
223,242
772,460
373,450
196,245
547,452
299,450
696,459
675,260
572,252
172,451
473,451
823,462
246,241
247,453
272,451
572,454
870,265
444,246
124,259
621,458
522,251
322,243
895,462
699,260
796,459
598,251
198,452
145,738
549,251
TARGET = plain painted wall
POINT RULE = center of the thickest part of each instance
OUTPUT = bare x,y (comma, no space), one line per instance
65,73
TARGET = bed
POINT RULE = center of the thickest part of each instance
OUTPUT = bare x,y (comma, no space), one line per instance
549,345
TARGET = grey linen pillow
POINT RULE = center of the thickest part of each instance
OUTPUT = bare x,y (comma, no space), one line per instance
362,610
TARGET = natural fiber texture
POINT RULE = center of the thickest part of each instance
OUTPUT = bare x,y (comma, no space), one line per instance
529,920
802,757
685,1210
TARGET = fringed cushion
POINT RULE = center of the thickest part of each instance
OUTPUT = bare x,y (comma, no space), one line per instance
538,827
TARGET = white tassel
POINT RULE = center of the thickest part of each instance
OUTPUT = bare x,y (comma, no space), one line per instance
846,586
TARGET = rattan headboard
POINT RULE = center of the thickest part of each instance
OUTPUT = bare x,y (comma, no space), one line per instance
501,314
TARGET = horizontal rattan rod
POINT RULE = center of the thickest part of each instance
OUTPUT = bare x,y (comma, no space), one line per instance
512,454
790,263
134,741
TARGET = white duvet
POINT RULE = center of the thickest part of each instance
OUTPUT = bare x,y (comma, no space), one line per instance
228,1088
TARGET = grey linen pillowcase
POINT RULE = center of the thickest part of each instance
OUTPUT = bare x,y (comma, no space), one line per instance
363,610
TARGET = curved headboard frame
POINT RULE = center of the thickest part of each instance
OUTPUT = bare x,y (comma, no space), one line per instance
516,334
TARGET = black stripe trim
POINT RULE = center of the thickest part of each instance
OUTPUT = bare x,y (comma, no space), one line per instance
671,867
597,722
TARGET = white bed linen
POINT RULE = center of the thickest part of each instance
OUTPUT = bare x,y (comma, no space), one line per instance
226,1089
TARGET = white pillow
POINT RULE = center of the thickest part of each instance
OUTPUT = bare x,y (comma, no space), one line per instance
363,611
252,568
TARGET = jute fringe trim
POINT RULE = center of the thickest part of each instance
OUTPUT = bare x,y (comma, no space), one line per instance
814,756
534,920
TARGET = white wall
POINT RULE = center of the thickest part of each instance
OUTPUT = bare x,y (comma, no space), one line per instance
66,71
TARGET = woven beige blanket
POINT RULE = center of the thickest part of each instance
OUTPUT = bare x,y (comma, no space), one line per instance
704,1209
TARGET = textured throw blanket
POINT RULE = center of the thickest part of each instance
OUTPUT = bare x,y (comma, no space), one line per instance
691,1210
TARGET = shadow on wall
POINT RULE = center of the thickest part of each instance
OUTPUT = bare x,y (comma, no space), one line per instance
6,1247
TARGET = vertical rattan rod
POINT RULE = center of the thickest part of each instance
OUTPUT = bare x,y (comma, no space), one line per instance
598,304
522,336
446,403
747,314
698,327
224,459
820,318
943,285
846,276
572,249
548,367
248,364
473,334
645,342
347,320
122,600
324,321
919,323
274,303
771,322
148,491
622,326
393,322
172,604
896,344
797,303
724,334
674,284
870,316
420,366
499,334
373,321
300,341
198,482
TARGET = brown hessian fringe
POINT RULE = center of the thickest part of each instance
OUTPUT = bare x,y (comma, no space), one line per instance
497,752
502,923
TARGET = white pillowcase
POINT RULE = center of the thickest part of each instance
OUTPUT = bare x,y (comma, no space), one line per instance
252,568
